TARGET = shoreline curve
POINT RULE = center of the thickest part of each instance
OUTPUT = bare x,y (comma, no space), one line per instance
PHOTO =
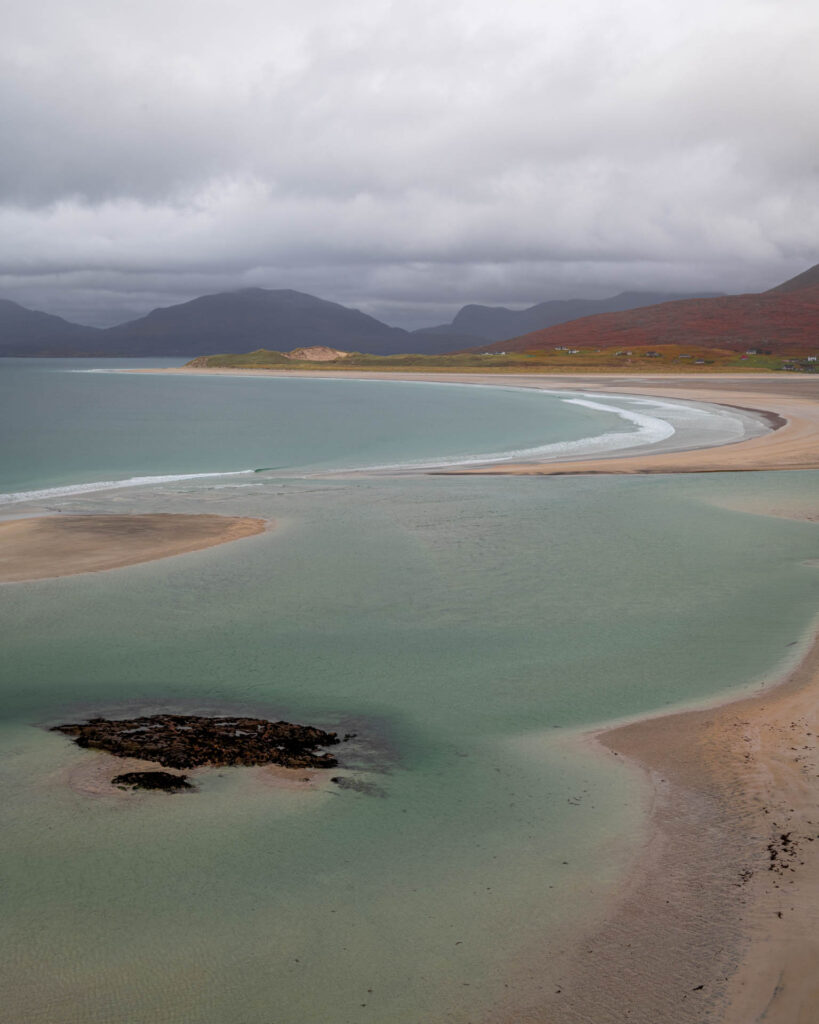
789,405
716,922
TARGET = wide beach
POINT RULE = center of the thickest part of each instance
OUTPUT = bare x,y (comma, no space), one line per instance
690,903
717,918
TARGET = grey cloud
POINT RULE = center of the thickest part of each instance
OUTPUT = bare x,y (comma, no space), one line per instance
405,158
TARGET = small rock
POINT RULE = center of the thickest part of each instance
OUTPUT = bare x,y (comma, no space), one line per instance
153,780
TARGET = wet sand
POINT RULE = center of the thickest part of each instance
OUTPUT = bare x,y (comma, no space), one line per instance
717,920
90,773
42,547
791,405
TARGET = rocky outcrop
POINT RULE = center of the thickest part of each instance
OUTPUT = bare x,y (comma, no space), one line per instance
187,741
153,780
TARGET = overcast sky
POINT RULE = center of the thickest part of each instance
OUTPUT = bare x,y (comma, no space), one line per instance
403,157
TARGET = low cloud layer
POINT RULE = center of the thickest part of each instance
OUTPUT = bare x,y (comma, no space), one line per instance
403,157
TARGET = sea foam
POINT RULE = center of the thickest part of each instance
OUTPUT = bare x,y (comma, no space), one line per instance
14,497
650,430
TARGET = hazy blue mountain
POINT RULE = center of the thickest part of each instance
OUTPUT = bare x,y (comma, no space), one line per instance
26,332
496,323
282,319
225,322
249,319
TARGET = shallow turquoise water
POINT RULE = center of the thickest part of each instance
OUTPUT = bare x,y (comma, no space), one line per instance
65,422
465,628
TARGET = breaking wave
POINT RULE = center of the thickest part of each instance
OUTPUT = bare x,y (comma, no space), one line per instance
108,485
650,430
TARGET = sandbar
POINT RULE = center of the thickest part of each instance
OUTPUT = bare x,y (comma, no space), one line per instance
717,922
42,547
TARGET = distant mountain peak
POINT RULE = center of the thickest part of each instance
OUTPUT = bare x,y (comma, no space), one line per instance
783,320
498,323
807,279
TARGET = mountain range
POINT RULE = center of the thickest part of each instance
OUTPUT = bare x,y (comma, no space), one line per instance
254,318
496,323
784,319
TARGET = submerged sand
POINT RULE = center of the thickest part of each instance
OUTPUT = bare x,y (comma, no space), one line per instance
90,774
38,548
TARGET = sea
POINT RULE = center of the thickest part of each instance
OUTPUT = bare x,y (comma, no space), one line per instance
468,632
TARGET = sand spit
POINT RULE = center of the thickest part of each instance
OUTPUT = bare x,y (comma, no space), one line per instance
791,405
42,547
717,923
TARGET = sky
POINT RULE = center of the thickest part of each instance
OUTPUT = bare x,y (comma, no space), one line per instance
404,157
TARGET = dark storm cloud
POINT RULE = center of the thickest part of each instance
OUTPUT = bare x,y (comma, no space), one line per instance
403,157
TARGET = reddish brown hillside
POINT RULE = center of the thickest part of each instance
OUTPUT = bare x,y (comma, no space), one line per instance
783,320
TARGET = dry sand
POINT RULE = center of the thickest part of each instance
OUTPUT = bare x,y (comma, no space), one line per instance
42,547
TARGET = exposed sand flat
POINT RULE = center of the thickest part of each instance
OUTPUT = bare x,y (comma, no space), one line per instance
718,921
42,547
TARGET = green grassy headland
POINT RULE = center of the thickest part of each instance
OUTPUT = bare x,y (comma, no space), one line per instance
665,359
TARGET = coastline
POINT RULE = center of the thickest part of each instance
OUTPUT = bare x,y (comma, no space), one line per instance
45,547
696,933
715,922
789,404
792,444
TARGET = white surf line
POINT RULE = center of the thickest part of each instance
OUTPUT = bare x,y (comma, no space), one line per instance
685,409
650,430
14,497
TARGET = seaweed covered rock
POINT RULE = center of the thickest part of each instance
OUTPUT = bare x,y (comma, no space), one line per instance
187,741
153,780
